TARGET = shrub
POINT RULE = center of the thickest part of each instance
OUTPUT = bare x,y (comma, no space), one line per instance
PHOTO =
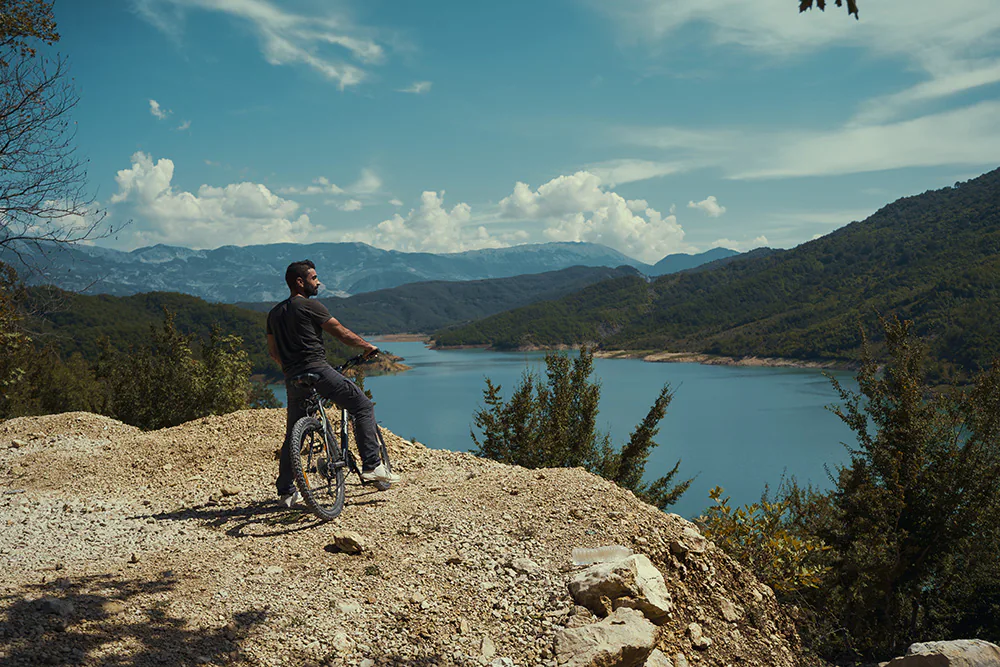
552,424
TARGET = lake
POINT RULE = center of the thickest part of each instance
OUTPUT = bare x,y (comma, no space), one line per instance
735,427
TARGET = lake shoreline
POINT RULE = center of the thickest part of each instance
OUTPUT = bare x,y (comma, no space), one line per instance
667,357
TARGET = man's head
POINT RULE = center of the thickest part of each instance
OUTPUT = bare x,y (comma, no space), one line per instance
302,279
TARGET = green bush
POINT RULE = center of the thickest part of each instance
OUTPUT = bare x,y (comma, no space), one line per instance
903,547
162,383
551,424
761,537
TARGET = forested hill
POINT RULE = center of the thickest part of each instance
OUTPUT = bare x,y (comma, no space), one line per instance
933,258
74,323
427,306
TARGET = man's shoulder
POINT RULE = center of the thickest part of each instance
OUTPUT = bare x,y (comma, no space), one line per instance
278,308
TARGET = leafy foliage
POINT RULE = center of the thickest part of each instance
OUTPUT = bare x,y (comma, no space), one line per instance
759,536
852,6
75,323
551,424
161,383
933,258
911,527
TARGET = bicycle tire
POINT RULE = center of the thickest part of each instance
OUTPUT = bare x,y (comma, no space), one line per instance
322,491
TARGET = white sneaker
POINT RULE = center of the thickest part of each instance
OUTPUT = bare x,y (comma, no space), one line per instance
292,499
380,474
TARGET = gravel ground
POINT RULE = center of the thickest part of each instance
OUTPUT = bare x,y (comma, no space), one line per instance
168,547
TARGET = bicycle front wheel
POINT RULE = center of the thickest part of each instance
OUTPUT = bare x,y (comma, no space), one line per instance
320,481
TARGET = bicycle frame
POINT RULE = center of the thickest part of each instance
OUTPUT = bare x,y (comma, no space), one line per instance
337,449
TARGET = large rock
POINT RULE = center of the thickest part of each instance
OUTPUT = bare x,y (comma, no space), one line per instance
623,639
958,653
632,582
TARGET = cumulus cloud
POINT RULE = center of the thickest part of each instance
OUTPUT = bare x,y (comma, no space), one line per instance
417,88
349,205
577,208
318,40
368,183
429,228
208,218
184,126
395,202
158,111
710,205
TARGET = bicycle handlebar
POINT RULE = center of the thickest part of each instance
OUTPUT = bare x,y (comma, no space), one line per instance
354,361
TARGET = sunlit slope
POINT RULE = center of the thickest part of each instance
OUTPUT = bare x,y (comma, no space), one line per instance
932,258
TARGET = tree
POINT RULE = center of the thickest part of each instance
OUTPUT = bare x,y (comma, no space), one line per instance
43,189
551,424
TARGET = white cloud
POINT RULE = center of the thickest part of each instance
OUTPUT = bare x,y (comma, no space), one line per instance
395,202
184,126
211,217
616,172
286,38
319,186
417,88
577,208
970,135
368,183
429,228
965,136
350,205
158,111
956,49
741,246
709,205
915,29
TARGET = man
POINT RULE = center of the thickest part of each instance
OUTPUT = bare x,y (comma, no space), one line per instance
295,341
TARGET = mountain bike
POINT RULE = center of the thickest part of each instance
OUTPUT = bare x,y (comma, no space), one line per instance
318,458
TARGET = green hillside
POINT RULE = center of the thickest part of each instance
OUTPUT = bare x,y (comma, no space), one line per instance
428,306
933,258
75,322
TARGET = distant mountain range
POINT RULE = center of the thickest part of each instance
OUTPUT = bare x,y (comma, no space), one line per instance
428,306
233,274
933,258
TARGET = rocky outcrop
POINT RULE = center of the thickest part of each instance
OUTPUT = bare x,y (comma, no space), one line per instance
120,547
632,582
956,653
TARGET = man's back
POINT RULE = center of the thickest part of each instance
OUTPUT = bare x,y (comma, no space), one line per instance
297,326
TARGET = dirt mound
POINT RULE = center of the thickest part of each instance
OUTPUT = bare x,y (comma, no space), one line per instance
168,546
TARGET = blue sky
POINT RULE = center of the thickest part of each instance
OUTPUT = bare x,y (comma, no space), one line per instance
652,126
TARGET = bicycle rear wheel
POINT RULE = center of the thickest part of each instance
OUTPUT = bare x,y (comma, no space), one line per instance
320,482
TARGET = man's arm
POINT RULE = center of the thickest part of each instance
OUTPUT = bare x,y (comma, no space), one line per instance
333,327
272,349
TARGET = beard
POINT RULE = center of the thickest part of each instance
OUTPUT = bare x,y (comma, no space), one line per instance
312,290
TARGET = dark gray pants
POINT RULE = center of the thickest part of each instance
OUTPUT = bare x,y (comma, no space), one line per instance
337,388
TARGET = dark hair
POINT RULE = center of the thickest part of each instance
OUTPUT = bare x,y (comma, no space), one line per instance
297,270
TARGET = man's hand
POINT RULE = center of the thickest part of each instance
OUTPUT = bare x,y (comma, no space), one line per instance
369,350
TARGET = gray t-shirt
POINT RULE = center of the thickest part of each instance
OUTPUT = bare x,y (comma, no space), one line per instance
297,326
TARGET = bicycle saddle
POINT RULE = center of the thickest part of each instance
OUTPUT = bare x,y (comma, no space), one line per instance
305,380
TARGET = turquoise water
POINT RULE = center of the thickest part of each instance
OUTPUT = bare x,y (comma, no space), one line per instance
735,427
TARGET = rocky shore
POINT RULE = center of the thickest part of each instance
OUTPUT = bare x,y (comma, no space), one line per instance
168,547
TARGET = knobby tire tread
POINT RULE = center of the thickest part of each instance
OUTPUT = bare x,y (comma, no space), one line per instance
325,511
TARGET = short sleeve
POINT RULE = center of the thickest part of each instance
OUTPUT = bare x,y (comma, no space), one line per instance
319,311
267,325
